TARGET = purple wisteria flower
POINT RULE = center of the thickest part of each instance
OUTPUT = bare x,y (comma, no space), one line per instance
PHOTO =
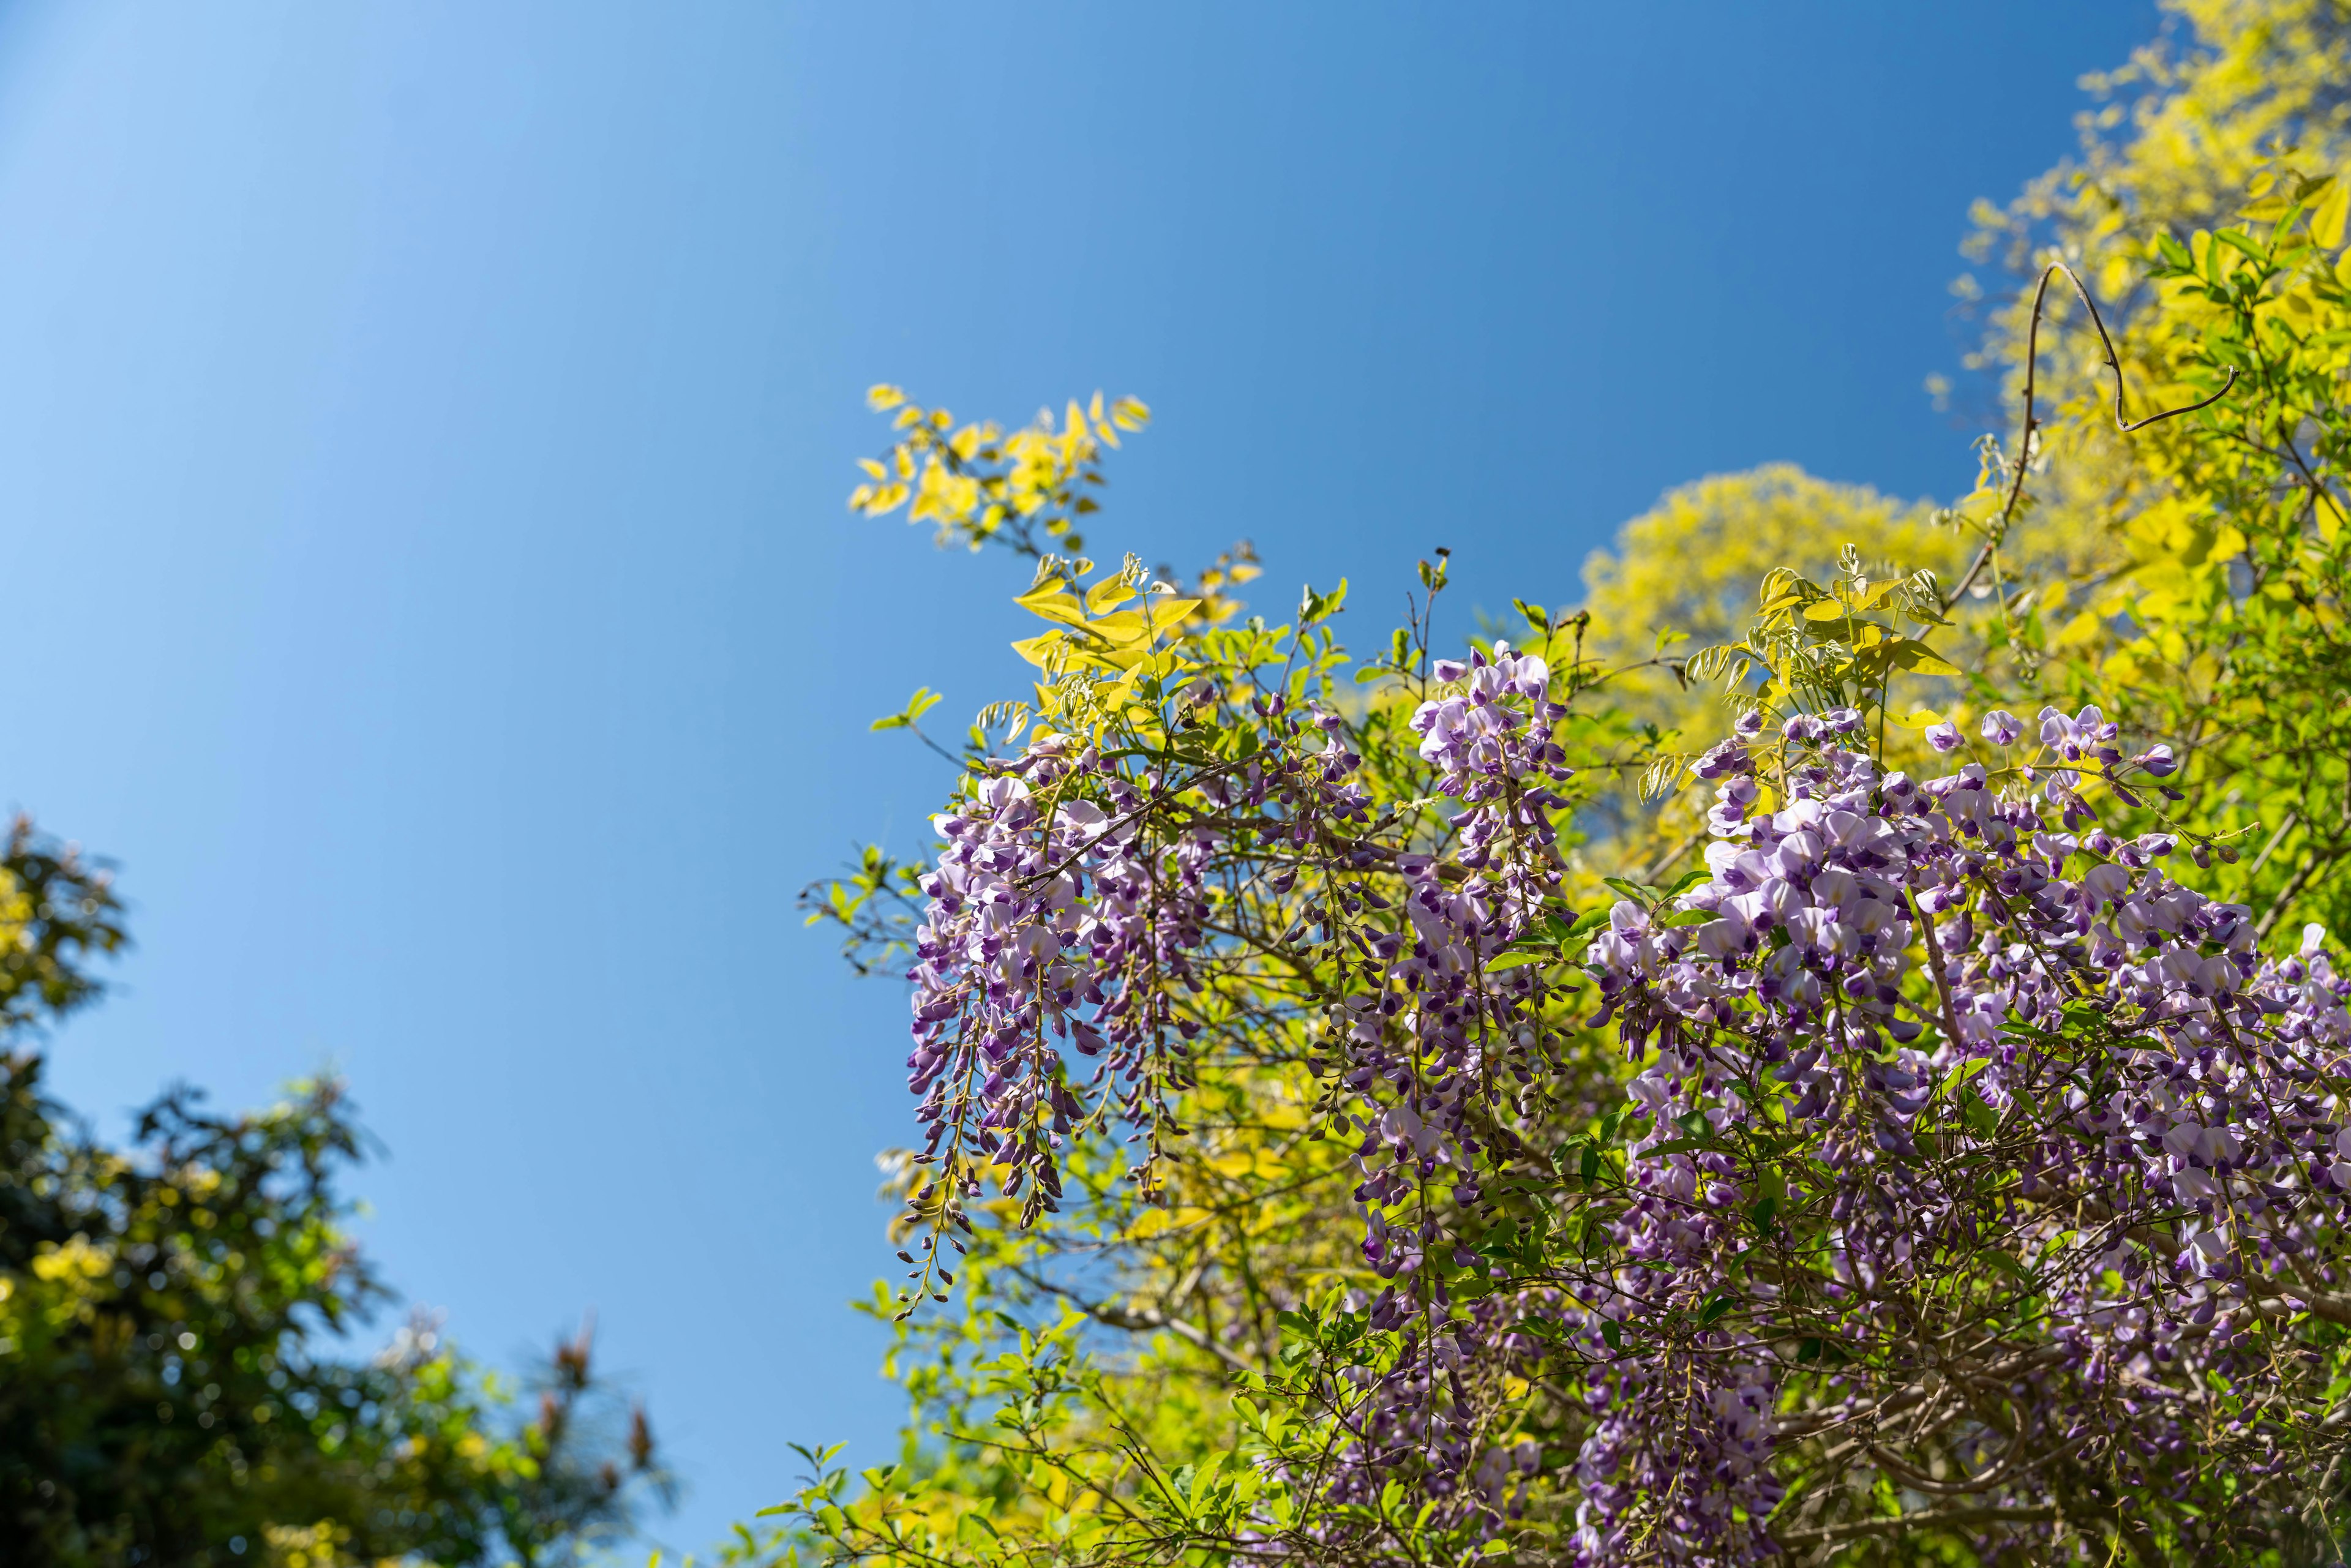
1806,975
1055,924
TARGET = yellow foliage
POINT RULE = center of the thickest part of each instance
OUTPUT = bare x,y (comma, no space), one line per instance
71,1260
1691,563
1027,487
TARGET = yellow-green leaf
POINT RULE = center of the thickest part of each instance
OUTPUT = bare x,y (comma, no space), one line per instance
1108,594
1051,601
2328,222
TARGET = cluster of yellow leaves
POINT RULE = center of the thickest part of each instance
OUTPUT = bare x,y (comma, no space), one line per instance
2198,122
67,1286
2224,628
1691,563
978,482
325,1544
1233,569
1109,646
1094,632
2190,128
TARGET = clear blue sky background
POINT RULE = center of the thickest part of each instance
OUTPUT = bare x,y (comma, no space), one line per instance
423,432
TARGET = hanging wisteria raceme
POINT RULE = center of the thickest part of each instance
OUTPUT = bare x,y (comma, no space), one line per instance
2093,1097
1064,914
1436,1034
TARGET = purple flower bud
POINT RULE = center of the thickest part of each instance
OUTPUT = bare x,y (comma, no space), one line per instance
1726,757
1943,737
2002,727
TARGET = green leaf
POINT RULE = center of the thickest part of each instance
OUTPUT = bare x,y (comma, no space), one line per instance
921,701
1313,607
2243,243
1909,653
2328,221
1052,601
2003,1261
1965,1070
1679,1146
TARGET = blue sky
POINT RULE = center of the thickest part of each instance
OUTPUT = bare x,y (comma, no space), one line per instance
422,435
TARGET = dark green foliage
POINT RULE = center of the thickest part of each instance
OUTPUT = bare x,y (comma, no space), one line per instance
175,1387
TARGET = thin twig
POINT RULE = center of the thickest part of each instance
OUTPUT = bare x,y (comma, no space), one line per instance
1144,1320
2290,891
1998,527
1671,858
2271,848
1925,1519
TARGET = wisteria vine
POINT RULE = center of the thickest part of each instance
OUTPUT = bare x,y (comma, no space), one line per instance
1957,1144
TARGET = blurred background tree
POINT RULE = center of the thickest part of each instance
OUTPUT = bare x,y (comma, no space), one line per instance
177,1380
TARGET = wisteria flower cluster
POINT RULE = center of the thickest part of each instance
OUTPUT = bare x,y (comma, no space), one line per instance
1434,1030
2097,1090
1063,916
